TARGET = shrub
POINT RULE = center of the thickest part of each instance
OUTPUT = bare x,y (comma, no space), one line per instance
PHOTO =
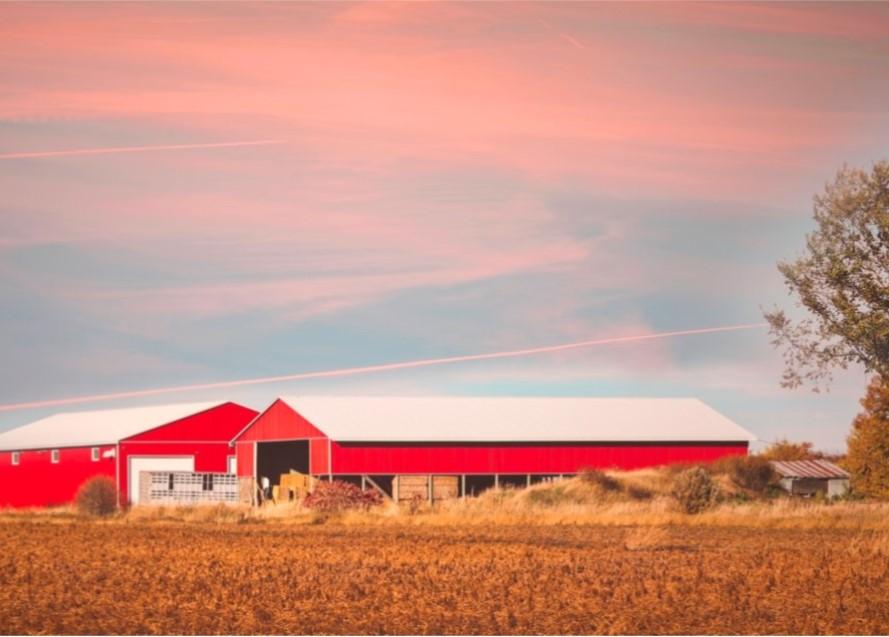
600,479
340,496
638,493
785,450
695,490
751,472
97,496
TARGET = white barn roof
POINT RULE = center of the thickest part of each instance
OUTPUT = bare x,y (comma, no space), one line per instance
93,428
518,419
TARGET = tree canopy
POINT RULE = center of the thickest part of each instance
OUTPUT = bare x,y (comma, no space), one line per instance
785,450
867,458
842,281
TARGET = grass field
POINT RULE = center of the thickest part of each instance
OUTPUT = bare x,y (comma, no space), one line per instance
63,574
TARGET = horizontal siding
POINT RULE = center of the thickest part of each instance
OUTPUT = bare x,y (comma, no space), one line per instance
37,482
219,424
349,458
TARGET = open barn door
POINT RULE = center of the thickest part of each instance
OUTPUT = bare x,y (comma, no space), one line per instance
275,458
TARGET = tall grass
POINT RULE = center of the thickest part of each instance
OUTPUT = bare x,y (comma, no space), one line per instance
618,499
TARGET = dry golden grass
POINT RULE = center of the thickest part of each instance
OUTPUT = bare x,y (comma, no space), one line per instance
166,576
641,499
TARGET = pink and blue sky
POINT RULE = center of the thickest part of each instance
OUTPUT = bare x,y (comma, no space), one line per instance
433,180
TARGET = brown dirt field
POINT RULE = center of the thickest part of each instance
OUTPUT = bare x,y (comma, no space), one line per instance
76,576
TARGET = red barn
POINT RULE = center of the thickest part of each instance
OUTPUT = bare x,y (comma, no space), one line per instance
485,440
43,463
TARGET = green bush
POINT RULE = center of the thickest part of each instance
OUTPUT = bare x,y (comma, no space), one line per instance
695,490
97,497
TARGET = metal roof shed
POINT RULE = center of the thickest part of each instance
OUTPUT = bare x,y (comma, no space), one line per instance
812,477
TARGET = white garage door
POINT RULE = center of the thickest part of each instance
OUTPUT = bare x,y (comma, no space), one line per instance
137,464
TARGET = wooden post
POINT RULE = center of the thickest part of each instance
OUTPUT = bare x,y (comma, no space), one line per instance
374,485
496,481
257,500
463,486
363,484
395,493
429,487
529,480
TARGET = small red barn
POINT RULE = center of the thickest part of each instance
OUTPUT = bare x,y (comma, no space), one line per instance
485,440
43,463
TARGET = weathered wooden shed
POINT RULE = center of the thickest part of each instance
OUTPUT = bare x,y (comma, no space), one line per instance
812,477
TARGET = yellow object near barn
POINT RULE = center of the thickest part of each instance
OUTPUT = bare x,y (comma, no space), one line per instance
294,486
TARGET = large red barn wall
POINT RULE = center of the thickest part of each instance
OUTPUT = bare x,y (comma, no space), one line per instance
38,482
281,422
318,453
204,436
217,424
364,458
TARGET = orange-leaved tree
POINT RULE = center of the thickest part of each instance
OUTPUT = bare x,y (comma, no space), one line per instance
868,445
785,450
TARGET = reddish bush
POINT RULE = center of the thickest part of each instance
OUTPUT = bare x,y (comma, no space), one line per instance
340,496
97,496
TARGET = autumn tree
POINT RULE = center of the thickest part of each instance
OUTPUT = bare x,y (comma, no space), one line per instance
842,281
868,445
785,450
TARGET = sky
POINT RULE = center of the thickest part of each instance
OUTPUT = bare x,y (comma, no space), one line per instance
195,193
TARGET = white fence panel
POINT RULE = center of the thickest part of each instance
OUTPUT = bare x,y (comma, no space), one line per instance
179,487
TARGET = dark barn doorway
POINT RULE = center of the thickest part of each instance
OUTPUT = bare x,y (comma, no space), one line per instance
275,458
478,484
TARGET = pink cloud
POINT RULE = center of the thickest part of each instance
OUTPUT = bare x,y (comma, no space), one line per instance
828,20
373,93
387,79
122,150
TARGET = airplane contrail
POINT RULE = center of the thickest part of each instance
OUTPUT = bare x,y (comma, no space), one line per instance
384,367
134,149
